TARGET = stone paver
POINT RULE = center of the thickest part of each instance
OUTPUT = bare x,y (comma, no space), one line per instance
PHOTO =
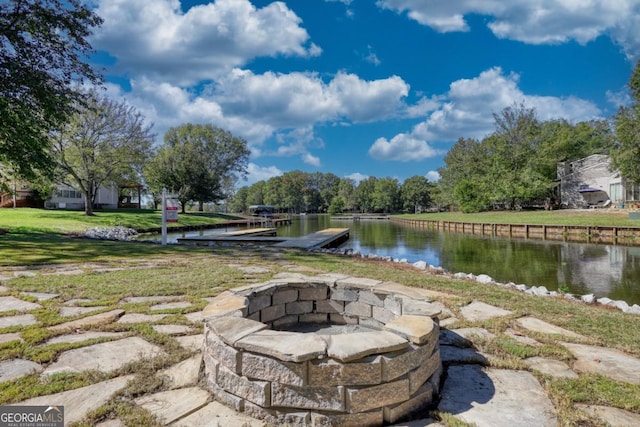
537,325
173,329
474,333
555,368
172,405
83,336
11,336
19,320
185,373
77,311
478,311
77,403
141,318
170,305
608,362
11,303
157,298
252,269
104,357
496,398
196,316
522,339
106,317
216,414
613,416
40,296
191,342
16,368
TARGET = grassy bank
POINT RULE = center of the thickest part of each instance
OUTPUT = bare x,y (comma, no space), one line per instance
585,217
63,221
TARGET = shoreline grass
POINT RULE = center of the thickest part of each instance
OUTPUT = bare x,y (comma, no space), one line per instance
26,220
584,217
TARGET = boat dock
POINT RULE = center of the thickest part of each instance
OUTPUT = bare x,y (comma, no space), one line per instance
320,239
251,232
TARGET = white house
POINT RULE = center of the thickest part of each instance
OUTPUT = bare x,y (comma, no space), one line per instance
591,182
65,197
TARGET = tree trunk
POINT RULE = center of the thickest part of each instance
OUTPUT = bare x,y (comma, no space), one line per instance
89,197
88,205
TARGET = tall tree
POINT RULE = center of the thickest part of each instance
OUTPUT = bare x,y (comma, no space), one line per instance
386,195
274,193
513,149
43,49
416,193
347,192
364,194
465,172
195,161
103,142
239,201
625,154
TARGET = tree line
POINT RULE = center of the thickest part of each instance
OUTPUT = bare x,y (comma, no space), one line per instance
298,192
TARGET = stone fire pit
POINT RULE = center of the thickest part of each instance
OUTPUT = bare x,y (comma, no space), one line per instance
326,350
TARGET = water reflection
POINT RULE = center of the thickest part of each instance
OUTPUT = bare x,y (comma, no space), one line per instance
605,270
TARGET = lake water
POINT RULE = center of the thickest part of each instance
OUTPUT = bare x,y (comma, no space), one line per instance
604,270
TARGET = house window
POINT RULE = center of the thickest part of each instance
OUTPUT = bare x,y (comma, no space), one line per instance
69,194
615,192
632,192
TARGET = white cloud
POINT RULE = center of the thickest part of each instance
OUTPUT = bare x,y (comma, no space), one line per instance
433,176
200,43
357,177
257,173
468,108
257,107
534,21
467,111
402,147
621,98
310,159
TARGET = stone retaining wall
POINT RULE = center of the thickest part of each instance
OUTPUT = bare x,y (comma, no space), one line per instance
380,366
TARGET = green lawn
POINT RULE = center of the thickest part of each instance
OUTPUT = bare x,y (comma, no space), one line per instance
63,221
585,217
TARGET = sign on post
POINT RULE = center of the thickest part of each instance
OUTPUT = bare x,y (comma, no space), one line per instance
172,209
169,212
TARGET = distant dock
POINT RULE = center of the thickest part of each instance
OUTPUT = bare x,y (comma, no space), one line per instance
320,239
360,217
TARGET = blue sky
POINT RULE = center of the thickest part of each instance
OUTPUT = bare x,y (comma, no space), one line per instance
362,87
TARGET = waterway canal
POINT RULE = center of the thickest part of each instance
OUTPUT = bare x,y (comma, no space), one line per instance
581,268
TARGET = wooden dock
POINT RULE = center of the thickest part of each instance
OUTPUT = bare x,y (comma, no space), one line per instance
320,239
251,232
